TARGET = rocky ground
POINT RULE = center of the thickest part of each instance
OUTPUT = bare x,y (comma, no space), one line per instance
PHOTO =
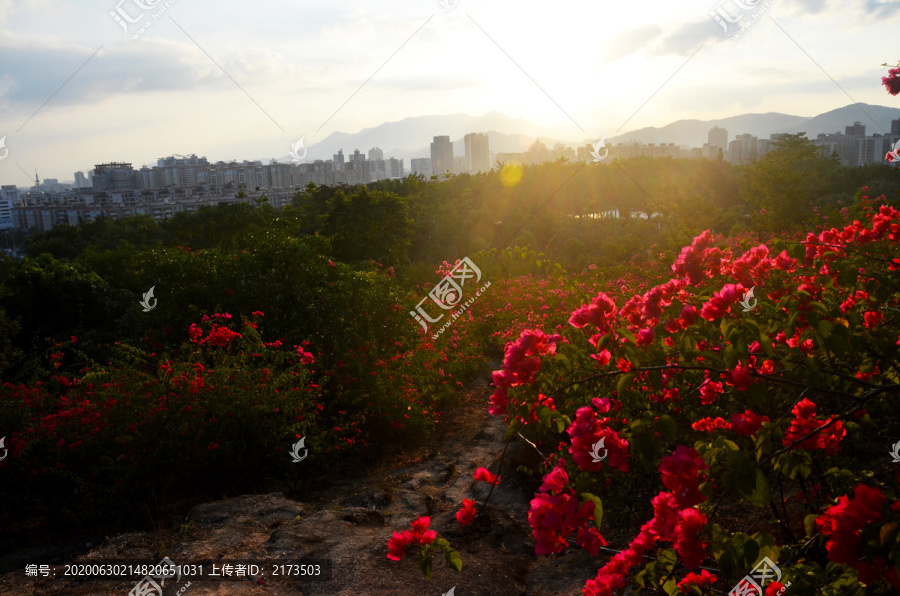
350,523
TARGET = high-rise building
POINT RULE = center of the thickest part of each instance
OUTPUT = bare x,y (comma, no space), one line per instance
421,167
895,128
394,168
718,137
375,154
114,176
857,130
442,155
9,197
338,157
80,180
478,153
357,157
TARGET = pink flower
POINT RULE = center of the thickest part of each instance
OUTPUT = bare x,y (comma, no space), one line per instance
599,312
484,475
704,578
556,480
710,391
747,423
688,543
466,515
586,431
892,81
681,473
739,378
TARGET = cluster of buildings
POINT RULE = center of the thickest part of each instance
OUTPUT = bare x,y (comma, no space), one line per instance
186,183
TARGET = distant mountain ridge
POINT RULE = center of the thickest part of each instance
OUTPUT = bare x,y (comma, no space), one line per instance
411,137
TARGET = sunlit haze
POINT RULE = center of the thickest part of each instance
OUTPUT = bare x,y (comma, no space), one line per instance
238,80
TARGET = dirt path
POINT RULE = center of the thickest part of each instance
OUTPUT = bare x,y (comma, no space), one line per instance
350,523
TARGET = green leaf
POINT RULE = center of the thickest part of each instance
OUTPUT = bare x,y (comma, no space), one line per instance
624,382
452,559
668,427
425,563
598,508
809,524
671,587
656,379
543,414
765,343
667,558
761,493
730,356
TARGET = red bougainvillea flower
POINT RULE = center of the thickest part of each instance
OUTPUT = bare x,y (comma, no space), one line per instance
557,480
586,431
681,473
774,589
872,318
710,425
554,518
599,312
739,378
720,304
747,423
688,544
466,515
892,81
486,476
418,535
843,522
704,578
805,422
710,391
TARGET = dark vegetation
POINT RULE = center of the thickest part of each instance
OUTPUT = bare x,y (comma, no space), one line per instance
117,417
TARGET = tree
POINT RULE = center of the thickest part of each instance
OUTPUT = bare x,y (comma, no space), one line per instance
786,180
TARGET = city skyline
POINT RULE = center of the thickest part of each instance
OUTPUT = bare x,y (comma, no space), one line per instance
76,85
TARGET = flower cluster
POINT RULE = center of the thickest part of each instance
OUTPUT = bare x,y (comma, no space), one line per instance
892,81
418,535
554,517
747,423
805,422
704,578
681,473
842,524
521,363
586,431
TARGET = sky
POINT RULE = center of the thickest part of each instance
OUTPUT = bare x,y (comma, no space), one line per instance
231,79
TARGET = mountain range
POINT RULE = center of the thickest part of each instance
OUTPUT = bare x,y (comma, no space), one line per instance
411,137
